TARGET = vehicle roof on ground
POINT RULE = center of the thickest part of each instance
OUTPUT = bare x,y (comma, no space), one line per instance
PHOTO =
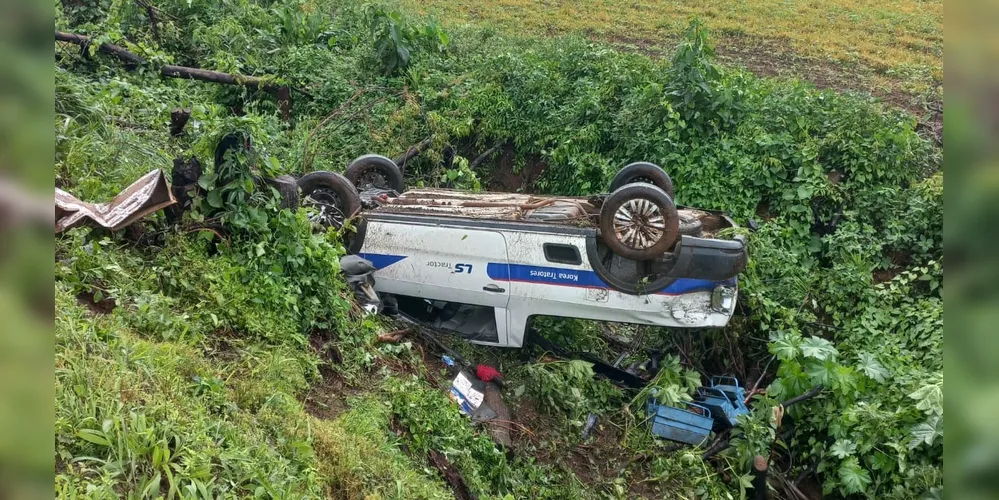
576,211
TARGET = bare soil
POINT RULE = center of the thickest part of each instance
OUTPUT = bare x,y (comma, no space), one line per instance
103,306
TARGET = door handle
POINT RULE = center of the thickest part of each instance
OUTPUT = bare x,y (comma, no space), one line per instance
493,288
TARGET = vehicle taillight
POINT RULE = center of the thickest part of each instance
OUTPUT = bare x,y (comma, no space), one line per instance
723,299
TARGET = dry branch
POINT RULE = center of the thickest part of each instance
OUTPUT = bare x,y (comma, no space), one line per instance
412,152
484,156
171,71
115,50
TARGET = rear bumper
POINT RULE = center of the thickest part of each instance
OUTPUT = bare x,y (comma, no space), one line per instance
708,259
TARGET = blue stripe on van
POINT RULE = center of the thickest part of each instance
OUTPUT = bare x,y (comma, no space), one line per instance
577,278
381,260
543,275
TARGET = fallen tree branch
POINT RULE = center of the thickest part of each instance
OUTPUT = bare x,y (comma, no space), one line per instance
808,395
153,20
484,156
450,474
172,71
412,152
109,48
789,487
721,444
760,471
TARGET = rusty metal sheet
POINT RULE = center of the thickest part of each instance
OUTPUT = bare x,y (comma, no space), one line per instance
145,196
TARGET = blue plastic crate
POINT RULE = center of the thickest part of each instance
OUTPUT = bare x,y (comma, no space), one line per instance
726,399
678,424
731,387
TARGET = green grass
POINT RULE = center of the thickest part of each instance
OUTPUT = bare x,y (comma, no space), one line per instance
156,417
900,41
194,384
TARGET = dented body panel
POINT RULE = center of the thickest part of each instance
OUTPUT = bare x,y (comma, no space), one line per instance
524,269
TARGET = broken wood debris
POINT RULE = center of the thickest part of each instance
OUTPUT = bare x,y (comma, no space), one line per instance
143,197
451,475
282,91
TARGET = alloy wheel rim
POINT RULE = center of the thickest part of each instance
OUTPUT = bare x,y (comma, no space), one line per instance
639,224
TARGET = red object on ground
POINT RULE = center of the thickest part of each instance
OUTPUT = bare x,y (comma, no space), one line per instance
487,373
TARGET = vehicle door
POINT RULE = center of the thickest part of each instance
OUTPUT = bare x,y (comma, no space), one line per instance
441,263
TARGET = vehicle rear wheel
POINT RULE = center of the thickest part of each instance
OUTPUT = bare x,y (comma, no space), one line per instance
646,172
375,171
332,195
639,222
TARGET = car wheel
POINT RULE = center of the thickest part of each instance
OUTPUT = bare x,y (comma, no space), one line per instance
646,172
375,171
332,196
690,225
639,222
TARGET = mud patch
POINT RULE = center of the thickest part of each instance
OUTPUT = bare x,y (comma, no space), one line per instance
327,399
103,306
596,461
323,344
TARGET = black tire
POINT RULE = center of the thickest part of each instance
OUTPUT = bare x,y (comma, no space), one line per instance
639,222
646,172
690,225
375,171
332,195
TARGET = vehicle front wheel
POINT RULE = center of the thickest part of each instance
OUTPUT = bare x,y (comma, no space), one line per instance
332,196
375,171
639,222
646,172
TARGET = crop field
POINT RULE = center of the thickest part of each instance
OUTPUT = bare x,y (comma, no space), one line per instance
892,45
215,350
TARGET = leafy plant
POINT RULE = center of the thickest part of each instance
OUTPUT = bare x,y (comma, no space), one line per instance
395,39
570,387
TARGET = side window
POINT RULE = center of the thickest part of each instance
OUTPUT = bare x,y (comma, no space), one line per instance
562,254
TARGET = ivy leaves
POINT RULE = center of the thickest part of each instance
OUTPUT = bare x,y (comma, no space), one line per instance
871,367
929,400
853,477
818,348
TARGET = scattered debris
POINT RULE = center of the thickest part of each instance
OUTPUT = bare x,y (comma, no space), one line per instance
487,373
725,398
495,416
392,337
467,392
184,179
359,275
676,424
591,420
145,196
178,119
481,399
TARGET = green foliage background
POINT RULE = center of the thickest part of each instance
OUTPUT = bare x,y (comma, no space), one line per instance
844,287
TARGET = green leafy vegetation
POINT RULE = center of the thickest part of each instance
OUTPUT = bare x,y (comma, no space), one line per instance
189,359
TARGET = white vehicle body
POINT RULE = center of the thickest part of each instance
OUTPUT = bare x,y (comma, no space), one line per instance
517,269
